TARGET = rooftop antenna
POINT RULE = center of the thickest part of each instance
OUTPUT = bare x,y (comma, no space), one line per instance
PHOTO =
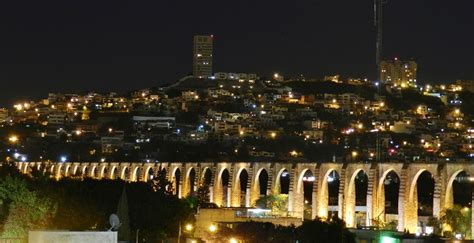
378,22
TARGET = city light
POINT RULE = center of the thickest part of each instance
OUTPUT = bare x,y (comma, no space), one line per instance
273,134
212,228
13,139
188,227
233,240
63,158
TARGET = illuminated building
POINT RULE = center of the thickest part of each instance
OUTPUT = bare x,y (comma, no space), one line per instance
202,56
398,73
467,85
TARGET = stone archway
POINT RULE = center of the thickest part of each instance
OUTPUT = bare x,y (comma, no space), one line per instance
94,172
387,201
136,174
125,175
175,180
104,172
282,182
241,190
458,190
114,174
149,174
222,189
328,196
259,187
191,181
420,199
356,196
303,197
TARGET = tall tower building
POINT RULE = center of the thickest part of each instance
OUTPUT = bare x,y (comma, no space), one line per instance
202,56
398,73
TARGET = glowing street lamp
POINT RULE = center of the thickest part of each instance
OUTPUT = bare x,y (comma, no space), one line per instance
188,227
13,139
273,134
354,153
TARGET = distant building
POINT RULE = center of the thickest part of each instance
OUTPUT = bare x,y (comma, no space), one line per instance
467,85
398,73
57,118
235,76
3,115
202,56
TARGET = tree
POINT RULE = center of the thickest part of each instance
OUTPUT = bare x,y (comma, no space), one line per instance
123,214
203,194
161,184
458,220
436,224
277,203
324,231
26,210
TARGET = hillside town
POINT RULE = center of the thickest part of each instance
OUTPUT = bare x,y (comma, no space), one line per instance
245,117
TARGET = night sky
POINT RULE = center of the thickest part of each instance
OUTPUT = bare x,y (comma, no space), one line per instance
69,45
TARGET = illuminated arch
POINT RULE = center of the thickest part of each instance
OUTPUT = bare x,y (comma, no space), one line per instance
113,173
147,173
449,196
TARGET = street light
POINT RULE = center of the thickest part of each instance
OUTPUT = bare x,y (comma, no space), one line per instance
188,227
13,138
233,240
273,134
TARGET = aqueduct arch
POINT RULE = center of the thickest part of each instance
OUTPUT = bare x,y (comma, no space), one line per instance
333,181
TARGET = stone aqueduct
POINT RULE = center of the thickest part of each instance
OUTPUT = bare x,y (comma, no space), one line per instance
443,174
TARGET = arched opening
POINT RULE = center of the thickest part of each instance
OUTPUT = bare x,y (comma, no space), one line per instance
94,172
192,181
425,190
462,190
225,185
262,183
361,183
243,181
175,181
333,181
137,175
150,174
204,190
308,181
114,174
59,172
104,173
126,174
284,182
421,199
206,177
391,186
66,171
85,171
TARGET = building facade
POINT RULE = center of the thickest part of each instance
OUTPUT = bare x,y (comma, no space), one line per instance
202,56
398,73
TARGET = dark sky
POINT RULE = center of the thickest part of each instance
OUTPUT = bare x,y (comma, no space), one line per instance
72,45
